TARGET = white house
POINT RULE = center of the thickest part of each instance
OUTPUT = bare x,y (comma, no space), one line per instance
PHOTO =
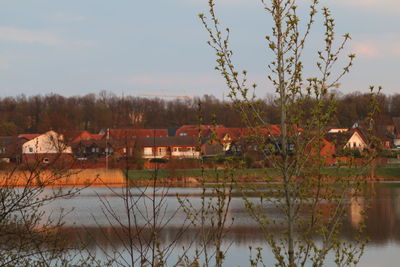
356,141
49,143
170,146
351,139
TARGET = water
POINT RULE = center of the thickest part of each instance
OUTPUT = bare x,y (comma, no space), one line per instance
103,233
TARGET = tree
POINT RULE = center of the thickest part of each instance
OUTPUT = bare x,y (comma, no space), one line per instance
30,236
303,189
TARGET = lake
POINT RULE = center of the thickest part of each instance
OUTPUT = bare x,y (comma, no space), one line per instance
98,216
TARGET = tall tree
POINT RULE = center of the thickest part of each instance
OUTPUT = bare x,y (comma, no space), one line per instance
306,106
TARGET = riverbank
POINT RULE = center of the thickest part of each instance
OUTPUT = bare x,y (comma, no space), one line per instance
179,177
64,178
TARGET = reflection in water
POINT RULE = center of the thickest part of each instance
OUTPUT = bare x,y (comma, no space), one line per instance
382,221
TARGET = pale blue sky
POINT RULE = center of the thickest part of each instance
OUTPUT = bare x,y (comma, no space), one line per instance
75,47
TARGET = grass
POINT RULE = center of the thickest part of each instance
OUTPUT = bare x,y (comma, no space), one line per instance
387,172
198,173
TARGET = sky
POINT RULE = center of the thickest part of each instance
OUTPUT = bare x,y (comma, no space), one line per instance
77,47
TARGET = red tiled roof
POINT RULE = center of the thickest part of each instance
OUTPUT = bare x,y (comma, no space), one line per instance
97,136
85,135
28,136
135,133
194,130
236,133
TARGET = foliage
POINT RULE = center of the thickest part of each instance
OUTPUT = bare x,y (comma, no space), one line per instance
92,112
311,203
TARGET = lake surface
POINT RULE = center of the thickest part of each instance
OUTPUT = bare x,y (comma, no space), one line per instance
98,216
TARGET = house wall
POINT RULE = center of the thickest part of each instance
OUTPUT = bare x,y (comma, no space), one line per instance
356,142
338,130
155,152
396,142
185,152
48,143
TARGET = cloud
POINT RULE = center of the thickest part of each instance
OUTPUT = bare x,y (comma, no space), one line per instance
12,34
381,46
366,49
391,6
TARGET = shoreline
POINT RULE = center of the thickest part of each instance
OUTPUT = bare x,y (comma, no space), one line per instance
116,178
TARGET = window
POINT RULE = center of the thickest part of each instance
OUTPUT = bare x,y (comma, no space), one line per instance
46,160
175,149
31,149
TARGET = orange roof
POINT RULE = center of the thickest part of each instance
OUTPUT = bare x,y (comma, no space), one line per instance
194,130
133,133
85,135
28,136
97,136
236,133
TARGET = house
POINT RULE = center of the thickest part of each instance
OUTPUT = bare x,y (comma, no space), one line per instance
170,147
228,135
352,139
28,136
76,136
338,130
91,149
126,134
11,148
197,130
384,132
386,136
45,148
396,132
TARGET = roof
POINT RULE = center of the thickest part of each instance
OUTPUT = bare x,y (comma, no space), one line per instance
5,140
195,130
92,142
341,138
76,136
28,136
236,133
169,141
12,145
136,133
383,133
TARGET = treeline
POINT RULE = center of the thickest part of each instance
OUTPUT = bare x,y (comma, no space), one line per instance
93,112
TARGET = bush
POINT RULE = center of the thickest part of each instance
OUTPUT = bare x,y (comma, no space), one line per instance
158,160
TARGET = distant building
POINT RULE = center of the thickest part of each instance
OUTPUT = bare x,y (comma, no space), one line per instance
46,148
10,148
351,139
170,147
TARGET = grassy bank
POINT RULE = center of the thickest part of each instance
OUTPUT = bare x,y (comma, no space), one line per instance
389,172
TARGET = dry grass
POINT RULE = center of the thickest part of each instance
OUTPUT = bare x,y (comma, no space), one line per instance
88,177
